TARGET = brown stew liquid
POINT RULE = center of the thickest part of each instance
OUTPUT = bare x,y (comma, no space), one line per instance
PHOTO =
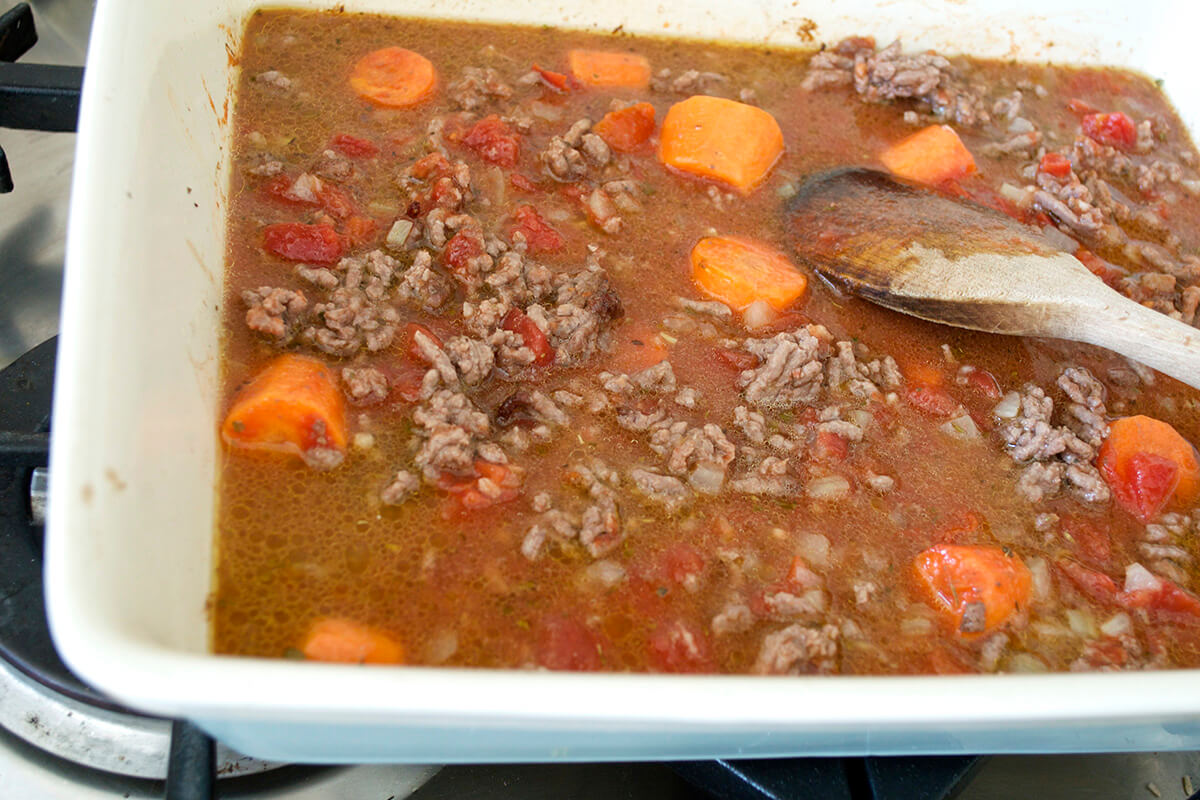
712,584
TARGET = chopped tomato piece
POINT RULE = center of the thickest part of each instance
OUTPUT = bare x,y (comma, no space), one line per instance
522,183
682,563
462,247
411,330
831,447
1095,585
738,359
1055,164
977,588
338,202
566,643
627,129
492,140
1147,464
517,322
1099,267
353,147
1114,129
678,646
295,241
985,383
556,80
931,400
361,230
1077,106
1092,542
540,237
406,378
1161,597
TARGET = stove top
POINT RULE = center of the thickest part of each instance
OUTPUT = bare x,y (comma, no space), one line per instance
61,739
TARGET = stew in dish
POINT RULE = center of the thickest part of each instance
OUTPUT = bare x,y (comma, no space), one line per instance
521,371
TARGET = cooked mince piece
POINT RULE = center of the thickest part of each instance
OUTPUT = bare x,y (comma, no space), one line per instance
520,372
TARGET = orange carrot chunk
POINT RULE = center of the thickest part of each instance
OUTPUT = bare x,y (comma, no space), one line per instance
343,640
930,155
976,588
740,271
1148,465
601,68
628,128
393,78
292,406
720,139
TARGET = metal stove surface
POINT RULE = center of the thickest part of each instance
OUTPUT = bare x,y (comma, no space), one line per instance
32,225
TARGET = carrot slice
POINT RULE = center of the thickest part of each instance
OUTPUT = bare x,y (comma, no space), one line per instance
292,406
393,77
930,155
740,271
627,129
601,68
343,640
720,139
1148,465
976,588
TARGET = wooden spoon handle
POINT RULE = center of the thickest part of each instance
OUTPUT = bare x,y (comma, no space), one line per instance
1156,340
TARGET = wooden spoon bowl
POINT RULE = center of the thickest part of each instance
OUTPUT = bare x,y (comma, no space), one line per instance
951,261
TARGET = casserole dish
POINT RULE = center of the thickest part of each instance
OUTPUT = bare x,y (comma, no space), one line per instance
131,519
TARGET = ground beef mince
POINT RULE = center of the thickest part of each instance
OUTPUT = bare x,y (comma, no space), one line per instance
483,380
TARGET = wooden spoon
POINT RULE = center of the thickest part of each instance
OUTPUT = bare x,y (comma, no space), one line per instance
914,250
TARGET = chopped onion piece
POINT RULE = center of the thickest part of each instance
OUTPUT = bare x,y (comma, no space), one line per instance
961,427
306,188
1039,570
606,573
1009,406
1081,623
916,626
1015,195
398,235
828,487
708,477
545,111
758,314
1118,625
443,645
1026,662
1049,630
862,418
813,548
1140,579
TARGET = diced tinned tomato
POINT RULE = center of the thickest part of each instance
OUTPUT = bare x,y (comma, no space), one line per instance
295,241
1055,164
540,237
1114,129
353,147
492,140
517,322
565,643
931,400
462,247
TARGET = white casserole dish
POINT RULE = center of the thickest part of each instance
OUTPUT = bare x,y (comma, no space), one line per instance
130,534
